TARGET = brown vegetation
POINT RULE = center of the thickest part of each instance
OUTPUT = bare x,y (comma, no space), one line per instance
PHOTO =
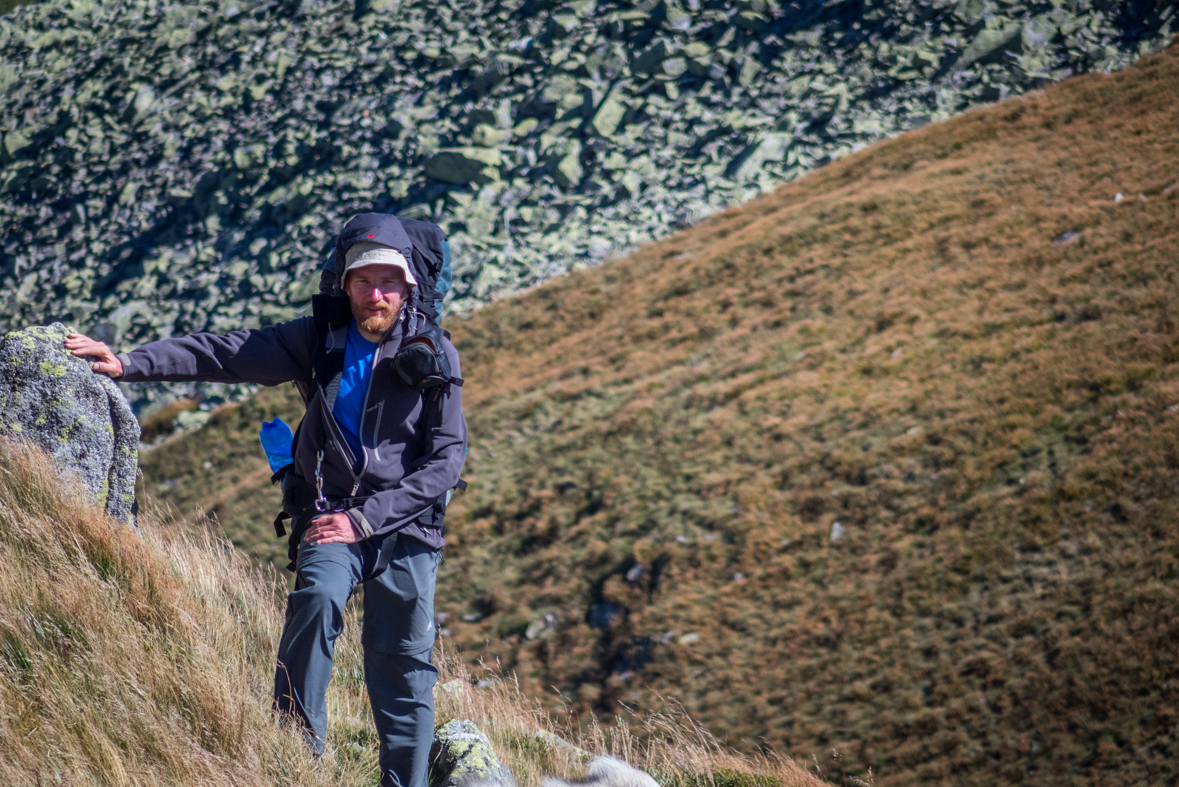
200,473
129,660
906,342
956,345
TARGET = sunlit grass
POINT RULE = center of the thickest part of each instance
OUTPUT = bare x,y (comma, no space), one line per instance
128,660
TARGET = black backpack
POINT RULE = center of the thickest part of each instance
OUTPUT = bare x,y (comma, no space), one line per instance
421,242
421,362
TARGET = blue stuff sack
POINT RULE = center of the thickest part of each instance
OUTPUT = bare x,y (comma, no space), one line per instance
276,439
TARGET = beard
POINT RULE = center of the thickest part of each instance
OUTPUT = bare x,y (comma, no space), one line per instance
374,323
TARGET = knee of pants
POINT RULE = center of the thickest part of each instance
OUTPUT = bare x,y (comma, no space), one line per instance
324,580
399,603
401,676
316,599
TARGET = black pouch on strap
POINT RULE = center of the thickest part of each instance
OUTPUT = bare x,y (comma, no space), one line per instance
421,362
298,497
299,524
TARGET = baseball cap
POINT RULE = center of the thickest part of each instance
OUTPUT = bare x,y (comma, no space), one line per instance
367,253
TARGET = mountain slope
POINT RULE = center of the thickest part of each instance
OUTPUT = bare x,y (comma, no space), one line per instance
881,463
172,167
897,345
148,660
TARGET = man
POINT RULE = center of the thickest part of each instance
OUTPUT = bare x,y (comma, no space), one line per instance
381,453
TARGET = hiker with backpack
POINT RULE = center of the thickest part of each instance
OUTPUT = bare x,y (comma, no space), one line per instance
374,460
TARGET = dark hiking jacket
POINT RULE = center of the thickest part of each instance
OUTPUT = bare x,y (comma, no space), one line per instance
414,443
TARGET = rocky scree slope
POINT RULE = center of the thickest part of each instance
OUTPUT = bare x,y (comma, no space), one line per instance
173,167
882,463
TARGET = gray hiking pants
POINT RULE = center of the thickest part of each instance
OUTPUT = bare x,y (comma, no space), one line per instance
398,638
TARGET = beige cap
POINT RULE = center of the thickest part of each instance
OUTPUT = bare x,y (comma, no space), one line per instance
365,253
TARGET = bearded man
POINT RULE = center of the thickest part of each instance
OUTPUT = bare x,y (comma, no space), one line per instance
378,454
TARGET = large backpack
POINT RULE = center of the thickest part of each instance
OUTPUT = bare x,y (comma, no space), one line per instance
421,362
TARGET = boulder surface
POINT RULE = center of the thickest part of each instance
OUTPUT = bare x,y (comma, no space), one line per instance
461,754
607,772
52,399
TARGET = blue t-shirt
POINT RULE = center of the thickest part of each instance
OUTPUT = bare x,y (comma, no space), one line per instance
358,369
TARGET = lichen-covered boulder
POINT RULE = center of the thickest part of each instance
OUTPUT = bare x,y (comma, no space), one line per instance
52,399
462,755
557,742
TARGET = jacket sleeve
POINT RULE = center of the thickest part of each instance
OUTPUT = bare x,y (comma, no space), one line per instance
269,356
434,472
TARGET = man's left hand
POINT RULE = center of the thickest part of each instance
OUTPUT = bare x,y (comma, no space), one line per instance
331,529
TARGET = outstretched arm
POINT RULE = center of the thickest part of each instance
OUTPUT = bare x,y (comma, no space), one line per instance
269,356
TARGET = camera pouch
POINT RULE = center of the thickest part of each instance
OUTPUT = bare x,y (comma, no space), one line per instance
422,364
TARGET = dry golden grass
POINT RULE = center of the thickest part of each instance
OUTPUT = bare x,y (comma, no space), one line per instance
128,660
201,473
906,342
673,748
143,661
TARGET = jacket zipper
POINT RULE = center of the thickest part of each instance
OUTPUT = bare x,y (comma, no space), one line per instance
338,442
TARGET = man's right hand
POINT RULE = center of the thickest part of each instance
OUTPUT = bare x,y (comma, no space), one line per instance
105,361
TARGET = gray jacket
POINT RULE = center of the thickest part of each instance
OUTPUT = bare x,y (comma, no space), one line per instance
414,443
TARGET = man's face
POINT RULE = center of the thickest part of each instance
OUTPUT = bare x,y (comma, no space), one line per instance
376,293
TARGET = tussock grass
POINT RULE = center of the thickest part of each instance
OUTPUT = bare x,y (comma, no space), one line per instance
955,344
128,660
219,471
674,749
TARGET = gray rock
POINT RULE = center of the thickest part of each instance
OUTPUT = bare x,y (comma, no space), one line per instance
751,21
14,142
461,754
489,136
609,114
607,771
993,41
557,742
461,166
750,161
837,532
648,61
699,57
52,399
567,168
673,66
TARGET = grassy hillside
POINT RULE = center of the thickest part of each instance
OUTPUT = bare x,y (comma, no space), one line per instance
129,660
219,470
143,661
882,463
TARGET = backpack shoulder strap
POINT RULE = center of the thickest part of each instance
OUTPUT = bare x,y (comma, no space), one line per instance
332,315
